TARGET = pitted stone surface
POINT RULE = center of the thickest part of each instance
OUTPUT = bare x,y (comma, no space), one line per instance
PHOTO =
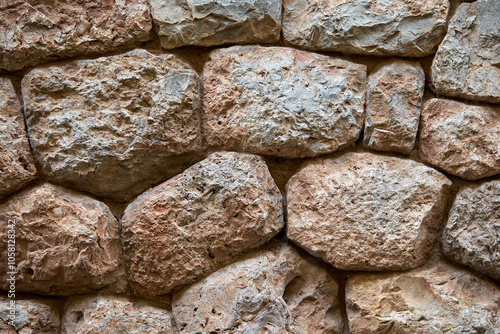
40,316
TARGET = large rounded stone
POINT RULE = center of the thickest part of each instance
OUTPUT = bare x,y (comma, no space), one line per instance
366,212
37,316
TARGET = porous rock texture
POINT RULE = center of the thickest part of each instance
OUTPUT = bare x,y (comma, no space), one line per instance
408,28
32,32
17,166
437,298
111,314
462,139
467,63
366,212
282,102
66,243
212,22
472,233
196,222
275,289
394,97
113,126
34,315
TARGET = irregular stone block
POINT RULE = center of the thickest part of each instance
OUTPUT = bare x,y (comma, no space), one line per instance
113,126
362,211
394,98
272,290
467,63
280,101
369,27
40,316
33,32
17,166
460,138
211,22
65,242
437,298
196,222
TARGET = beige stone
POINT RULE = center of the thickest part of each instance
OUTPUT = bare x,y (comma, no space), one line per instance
37,316
199,220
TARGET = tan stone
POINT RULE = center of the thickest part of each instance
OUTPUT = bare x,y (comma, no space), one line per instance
272,290
282,102
362,211
37,316
196,222
460,138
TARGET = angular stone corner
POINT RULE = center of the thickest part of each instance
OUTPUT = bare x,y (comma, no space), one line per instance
275,289
194,223
17,166
281,101
114,126
366,212
467,63
66,243
40,316
461,139
33,32
211,22
394,98
383,28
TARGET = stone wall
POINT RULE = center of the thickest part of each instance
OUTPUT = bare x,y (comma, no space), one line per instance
250,166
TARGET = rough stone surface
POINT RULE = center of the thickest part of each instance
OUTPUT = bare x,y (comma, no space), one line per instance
111,315
32,32
272,290
462,139
199,220
366,212
280,101
113,126
37,316
435,299
66,243
408,28
211,22
467,63
17,166
472,234
394,98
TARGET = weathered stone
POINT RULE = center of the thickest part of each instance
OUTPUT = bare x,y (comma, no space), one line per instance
40,316
17,166
467,63
272,290
113,126
409,28
32,32
211,22
66,243
438,298
461,139
472,234
366,212
280,101
111,315
394,98
196,222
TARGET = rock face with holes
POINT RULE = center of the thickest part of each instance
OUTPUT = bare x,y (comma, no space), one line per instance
210,22
17,166
394,97
199,220
473,230
38,315
280,101
273,290
32,32
467,63
113,126
366,212
408,28
460,138
66,243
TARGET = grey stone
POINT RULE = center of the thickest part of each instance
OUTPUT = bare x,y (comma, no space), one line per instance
36,315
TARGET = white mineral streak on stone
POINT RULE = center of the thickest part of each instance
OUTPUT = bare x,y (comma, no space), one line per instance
32,316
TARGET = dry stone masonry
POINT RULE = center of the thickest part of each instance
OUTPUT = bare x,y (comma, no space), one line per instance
250,166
